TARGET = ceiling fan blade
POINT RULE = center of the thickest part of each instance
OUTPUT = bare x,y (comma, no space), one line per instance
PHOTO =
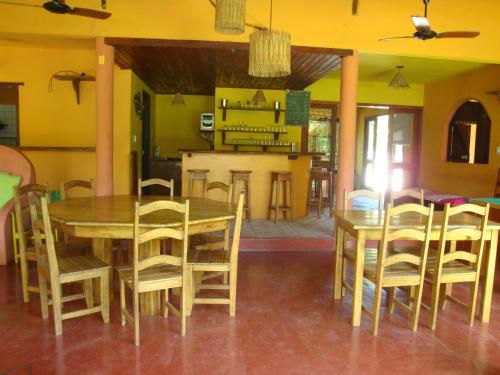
396,37
421,23
458,34
92,13
20,4
355,4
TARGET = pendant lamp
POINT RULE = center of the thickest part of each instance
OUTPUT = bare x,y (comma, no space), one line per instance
230,16
269,54
178,99
399,81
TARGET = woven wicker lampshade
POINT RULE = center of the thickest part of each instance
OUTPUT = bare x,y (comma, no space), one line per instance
230,16
269,54
399,81
259,97
178,99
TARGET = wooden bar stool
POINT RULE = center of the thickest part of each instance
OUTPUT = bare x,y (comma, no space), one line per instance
198,175
244,176
280,178
316,177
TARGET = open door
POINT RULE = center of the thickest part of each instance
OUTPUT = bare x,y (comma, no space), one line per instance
403,147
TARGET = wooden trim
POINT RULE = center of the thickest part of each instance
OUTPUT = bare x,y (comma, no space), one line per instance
11,84
215,44
55,148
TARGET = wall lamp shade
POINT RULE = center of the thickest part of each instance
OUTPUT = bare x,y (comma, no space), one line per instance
178,99
399,81
230,16
269,54
259,97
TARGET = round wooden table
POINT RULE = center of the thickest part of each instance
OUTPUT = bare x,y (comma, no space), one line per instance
105,218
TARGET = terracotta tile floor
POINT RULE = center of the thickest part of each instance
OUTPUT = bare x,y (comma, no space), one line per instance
286,323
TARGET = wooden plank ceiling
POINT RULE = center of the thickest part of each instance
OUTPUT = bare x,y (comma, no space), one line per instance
197,67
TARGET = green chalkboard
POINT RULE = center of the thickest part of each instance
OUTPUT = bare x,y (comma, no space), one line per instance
297,107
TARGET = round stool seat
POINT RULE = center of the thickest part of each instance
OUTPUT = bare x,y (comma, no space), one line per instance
199,170
282,173
320,175
242,172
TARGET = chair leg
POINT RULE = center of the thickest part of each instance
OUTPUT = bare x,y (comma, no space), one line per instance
184,302
44,299
376,308
285,213
416,307
291,201
105,296
270,200
136,318
165,300
88,292
190,290
232,292
123,304
56,306
391,295
472,305
434,305
320,199
277,201
24,277
344,276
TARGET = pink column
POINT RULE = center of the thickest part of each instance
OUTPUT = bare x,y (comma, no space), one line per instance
347,132
105,58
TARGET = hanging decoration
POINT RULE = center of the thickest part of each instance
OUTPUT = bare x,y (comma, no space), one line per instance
399,81
259,97
230,16
269,54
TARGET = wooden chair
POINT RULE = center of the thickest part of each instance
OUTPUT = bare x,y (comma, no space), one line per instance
417,195
59,271
68,185
217,260
157,272
458,266
349,253
24,233
209,241
156,181
391,270
496,193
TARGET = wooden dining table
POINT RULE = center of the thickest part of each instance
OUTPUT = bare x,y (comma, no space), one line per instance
106,218
368,225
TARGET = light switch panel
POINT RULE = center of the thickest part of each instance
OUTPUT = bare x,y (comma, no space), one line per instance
498,150
134,138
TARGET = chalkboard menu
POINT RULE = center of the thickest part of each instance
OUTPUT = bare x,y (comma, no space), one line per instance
297,107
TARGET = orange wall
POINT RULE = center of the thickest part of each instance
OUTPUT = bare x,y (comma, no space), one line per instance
441,99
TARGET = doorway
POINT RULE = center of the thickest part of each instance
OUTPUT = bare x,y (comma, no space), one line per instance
391,147
146,135
9,113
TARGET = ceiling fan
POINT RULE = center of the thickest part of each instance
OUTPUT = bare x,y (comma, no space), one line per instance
424,31
60,7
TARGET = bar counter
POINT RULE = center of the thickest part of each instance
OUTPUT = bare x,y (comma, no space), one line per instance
261,164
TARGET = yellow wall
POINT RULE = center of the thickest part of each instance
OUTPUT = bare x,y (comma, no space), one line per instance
177,126
368,92
441,98
252,118
329,24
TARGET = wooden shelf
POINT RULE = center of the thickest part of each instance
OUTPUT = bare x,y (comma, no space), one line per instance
264,147
75,80
277,112
247,130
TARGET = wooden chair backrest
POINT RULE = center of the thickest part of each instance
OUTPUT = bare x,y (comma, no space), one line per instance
156,181
23,213
228,189
42,233
237,230
379,197
410,193
478,235
385,259
142,236
497,186
68,185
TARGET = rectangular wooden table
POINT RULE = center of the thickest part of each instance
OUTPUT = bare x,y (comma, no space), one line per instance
368,225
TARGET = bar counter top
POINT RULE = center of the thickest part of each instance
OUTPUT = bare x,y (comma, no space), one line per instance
229,152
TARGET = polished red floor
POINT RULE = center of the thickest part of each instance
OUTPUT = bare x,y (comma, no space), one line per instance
286,323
